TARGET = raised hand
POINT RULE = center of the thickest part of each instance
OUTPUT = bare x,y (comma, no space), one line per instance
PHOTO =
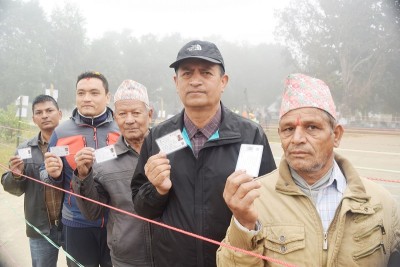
239,194
157,170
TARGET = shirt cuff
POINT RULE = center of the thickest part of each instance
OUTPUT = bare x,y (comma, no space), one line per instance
241,227
17,177
76,174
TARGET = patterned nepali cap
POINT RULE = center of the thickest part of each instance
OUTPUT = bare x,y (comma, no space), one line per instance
303,91
130,89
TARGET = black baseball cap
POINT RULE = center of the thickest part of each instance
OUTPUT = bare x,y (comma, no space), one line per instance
199,49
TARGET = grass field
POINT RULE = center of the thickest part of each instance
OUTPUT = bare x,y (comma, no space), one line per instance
6,152
8,146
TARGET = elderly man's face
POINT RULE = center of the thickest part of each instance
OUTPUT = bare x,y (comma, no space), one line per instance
133,119
308,140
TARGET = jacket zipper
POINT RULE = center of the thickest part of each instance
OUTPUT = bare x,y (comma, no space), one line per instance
70,190
325,241
70,183
368,233
335,218
96,146
325,246
95,137
47,208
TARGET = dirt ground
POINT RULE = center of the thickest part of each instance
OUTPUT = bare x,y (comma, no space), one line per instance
375,155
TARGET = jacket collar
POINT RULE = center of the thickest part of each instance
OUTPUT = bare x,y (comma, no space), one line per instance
107,118
34,141
355,189
228,126
122,148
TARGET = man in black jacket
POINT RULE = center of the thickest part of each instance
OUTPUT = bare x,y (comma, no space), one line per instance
184,189
42,203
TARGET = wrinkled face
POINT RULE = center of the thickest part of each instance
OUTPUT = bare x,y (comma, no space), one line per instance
308,140
91,97
46,116
199,83
133,119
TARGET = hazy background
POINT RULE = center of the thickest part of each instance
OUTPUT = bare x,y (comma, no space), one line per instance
353,45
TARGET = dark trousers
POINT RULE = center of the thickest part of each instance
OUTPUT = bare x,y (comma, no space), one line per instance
88,246
394,260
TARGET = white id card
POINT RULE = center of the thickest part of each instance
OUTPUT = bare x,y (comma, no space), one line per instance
60,151
171,142
105,153
250,159
25,153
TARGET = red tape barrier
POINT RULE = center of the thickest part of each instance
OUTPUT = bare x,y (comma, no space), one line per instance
180,230
164,225
383,180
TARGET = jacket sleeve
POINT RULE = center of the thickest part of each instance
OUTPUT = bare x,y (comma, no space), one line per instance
227,257
12,185
91,188
146,200
267,160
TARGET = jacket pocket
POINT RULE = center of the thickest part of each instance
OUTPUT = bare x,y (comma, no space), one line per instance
130,239
379,228
369,251
284,239
370,240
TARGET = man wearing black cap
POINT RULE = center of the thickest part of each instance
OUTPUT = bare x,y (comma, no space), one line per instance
184,189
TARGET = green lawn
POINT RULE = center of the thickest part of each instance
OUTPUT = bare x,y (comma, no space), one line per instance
8,148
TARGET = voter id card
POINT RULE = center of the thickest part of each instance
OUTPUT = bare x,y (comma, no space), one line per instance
250,159
60,151
25,153
171,142
105,153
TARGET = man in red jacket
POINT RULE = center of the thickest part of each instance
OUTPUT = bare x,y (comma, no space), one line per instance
91,125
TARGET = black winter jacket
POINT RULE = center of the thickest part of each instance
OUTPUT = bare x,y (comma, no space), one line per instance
195,201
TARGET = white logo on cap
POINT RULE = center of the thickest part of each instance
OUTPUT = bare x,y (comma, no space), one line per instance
194,47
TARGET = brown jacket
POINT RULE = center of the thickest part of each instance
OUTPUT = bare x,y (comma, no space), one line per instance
364,232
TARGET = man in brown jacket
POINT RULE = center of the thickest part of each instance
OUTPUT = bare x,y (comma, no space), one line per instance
315,210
